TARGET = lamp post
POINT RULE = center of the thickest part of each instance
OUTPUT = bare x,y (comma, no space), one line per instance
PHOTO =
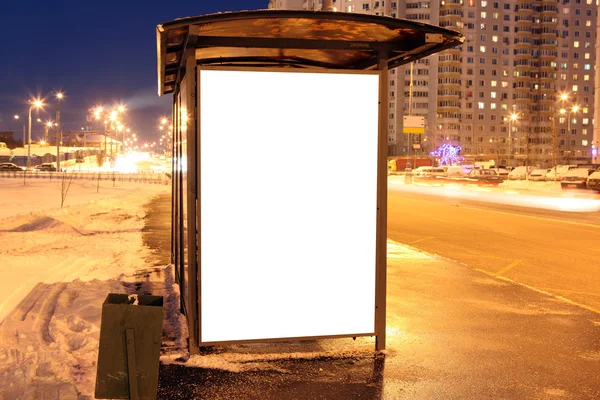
35,104
59,97
17,118
511,118
564,111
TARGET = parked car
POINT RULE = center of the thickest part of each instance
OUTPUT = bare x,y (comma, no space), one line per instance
520,173
593,180
46,167
429,173
8,166
453,171
483,177
503,172
556,173
538,174
576,178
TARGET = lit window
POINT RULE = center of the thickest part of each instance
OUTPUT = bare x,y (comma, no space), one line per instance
586,67
494,83
584,132
585,121
575,44
504,107
481,105
565,10
482,49
493,95
584,142
495,16
483,3
574,88
588,23
482,27
504,84
483,14
585,110
494,38
586,56
493,106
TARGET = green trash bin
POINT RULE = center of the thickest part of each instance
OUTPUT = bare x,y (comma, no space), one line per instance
130,339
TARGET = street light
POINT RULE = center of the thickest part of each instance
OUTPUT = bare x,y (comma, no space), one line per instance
17,118
37,103
59,97
564,111
511,118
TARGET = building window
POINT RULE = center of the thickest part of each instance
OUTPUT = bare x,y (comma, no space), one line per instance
481,105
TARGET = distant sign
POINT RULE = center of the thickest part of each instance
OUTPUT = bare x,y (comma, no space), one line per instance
413,124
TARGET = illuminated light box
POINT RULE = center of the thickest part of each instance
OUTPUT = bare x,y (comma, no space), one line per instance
288,190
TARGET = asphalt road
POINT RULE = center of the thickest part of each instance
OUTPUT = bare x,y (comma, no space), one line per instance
556,252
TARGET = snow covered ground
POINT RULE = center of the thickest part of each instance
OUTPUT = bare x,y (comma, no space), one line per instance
57,266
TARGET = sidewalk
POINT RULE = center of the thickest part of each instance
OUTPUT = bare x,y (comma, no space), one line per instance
453,333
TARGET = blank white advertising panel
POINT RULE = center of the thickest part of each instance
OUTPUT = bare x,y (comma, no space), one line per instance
288,204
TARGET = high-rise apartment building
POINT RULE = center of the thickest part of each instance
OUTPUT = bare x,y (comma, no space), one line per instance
520,90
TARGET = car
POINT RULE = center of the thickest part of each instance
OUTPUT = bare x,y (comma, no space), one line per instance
576,178
8,166
593,181
520,173
538,174
46,167
483,177
428,173
503,172
453,171
557,172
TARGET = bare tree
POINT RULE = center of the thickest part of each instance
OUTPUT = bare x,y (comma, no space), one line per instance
65,185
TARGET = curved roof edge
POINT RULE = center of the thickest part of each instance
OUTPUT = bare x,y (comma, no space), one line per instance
294,38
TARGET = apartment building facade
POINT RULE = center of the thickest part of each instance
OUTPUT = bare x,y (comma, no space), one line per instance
520,90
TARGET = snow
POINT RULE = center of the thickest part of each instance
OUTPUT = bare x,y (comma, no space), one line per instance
58,265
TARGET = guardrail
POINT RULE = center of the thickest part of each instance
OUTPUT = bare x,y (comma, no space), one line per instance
141,177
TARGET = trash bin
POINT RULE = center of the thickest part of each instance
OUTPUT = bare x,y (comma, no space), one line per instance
129,351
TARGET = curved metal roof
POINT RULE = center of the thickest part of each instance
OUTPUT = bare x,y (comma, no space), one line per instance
295,39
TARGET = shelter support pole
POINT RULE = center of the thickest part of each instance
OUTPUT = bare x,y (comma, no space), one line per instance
381,235
191,134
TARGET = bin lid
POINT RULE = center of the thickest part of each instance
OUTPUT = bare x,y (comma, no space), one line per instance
294,39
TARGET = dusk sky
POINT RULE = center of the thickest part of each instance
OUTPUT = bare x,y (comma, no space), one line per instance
97,53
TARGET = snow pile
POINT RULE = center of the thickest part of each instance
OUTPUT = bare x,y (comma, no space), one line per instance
58,265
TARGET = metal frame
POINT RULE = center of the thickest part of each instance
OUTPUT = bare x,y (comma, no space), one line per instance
381,204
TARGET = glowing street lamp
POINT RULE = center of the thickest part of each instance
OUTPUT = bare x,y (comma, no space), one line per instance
37,103
564,111
24,126
511,118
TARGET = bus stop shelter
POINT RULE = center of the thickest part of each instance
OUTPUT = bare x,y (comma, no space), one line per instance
261,254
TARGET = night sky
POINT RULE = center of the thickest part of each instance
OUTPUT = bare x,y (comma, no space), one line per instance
98,53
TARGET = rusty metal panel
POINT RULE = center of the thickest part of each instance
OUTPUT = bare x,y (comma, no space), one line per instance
145,319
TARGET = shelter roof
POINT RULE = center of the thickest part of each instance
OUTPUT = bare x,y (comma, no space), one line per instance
294,39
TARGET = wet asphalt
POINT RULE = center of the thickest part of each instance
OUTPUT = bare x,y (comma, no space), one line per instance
453,333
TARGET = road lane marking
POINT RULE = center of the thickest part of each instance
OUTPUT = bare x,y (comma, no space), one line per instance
421,240
508,267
